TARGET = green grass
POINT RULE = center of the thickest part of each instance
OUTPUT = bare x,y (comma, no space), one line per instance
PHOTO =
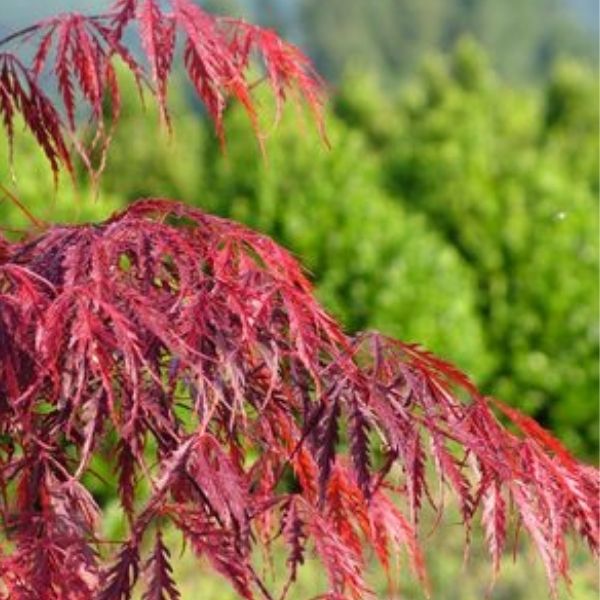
451,579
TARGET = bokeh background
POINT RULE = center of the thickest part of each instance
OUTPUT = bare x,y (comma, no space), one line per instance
457,206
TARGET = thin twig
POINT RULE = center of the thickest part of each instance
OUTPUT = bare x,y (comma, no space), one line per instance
13,198
32,28
19,33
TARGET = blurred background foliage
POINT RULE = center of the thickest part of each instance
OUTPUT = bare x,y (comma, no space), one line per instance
457,206
458,210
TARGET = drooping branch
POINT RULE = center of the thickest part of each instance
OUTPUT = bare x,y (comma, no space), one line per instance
108,331
77,54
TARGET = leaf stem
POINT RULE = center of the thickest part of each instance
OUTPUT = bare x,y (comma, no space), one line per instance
32,28
19,33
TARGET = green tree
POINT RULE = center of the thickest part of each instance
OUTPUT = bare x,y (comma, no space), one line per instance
145,160
507,178
392,37
28,182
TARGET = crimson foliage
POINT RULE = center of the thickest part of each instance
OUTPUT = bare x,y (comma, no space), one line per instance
191,350
77,53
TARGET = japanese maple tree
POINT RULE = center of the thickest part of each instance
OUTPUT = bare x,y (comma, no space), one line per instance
191,349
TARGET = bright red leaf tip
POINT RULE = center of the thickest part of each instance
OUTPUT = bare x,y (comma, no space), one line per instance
190,350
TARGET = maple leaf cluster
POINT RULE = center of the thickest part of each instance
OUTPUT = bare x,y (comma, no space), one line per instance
76,55
109,331
192,352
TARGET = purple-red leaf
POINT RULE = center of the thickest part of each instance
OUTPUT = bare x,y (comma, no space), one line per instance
159,573
189,351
